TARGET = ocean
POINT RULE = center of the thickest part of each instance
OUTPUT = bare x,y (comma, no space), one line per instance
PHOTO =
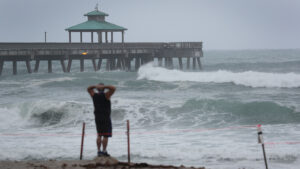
193,118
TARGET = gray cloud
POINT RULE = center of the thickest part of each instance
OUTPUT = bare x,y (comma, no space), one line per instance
220,24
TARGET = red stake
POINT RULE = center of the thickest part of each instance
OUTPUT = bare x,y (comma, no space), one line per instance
128,142
82,140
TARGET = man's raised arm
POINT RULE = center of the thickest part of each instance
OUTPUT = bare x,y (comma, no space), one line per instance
90,90
111,91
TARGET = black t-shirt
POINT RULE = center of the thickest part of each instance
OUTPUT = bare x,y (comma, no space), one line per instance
102,107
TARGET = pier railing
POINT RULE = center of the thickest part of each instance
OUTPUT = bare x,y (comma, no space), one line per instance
145,45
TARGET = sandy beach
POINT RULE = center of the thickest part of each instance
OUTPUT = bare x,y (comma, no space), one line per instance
97,163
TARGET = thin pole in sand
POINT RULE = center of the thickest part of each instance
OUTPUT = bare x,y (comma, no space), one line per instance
82,140
260,140
128,141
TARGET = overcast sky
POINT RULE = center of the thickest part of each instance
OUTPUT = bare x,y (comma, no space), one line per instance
220,24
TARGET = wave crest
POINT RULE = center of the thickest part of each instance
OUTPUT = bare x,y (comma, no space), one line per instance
247,78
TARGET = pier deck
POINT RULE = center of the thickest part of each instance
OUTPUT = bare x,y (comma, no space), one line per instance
114,55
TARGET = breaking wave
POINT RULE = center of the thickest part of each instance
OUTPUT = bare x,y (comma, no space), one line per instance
43,113
247,78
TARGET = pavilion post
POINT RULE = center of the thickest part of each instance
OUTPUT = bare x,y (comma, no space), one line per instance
112,37
106,38
80,37
70,38
122,36
100,37
92,37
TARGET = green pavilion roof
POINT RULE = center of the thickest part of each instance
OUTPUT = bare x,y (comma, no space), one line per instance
96,13
95,26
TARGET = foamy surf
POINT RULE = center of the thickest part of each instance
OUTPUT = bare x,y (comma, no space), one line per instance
247,78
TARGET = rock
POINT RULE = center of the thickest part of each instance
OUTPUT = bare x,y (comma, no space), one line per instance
106,160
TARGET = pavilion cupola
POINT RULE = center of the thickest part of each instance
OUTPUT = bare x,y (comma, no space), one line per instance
96,23
96,15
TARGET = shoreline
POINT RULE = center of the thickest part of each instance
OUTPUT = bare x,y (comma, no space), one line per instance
97,163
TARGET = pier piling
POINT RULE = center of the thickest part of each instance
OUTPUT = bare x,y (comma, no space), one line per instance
188,63
28,66
94,64
63,66
194,63
37,64
49,66
81,65
1,65
199,63
69,65
180,63
14,67
99,64
137,63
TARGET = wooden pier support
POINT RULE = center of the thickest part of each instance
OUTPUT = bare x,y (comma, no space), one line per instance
107,64
188,63
1,65
128,64
123,63
63,66
112,64
81,65
94,64
137,63
119,63
49,66
159,61
180,63
14,67
28,66
199,63
69,65
166,62
194,63
37,65
99,64
171,63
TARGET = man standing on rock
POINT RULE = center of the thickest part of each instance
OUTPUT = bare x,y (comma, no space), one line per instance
102,111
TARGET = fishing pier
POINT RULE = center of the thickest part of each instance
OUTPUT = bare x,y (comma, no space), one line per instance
104,53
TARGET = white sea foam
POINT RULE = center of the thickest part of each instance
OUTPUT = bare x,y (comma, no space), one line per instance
40,82
247,78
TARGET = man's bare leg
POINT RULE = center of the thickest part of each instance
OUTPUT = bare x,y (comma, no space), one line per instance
104,143
99,143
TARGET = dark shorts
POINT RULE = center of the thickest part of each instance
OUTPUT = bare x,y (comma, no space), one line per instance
104,127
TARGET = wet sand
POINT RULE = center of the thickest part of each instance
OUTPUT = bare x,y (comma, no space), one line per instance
97,163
